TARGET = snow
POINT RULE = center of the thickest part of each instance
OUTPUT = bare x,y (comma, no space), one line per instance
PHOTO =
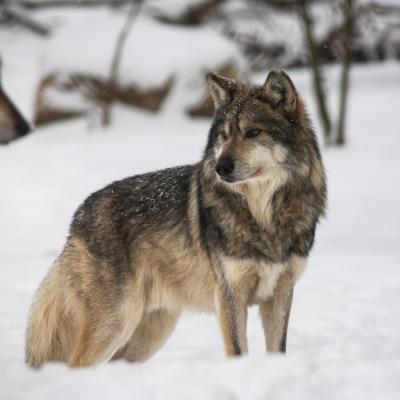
344,338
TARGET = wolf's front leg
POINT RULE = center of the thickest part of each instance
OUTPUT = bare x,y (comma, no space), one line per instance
275,314
232,315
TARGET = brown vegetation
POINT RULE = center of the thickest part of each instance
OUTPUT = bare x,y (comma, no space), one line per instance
96,92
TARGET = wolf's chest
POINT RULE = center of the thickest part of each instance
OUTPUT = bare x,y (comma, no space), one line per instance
268,276
257,278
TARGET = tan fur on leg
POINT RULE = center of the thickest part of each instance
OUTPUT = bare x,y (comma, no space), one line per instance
232,316
99,340
150,335
275,314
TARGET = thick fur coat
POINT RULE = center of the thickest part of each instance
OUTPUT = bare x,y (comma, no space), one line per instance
231,231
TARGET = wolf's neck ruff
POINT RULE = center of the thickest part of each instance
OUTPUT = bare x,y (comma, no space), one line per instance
259,196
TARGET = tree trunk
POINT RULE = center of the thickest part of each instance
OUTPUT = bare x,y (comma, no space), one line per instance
348,12
119,48
316,70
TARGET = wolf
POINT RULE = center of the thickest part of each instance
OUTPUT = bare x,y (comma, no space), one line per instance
231,231
12,124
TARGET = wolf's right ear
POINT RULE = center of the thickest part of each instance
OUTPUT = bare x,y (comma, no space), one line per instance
221,89
279,90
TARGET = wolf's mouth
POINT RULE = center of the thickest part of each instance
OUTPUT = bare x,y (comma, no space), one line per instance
257,173
239,179
231,180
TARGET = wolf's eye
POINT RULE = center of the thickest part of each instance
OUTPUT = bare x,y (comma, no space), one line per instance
223,135
252,133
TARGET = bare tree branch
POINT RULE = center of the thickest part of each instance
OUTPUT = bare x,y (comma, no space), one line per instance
379,8
37,5
13,16
193,15
130,20
134,11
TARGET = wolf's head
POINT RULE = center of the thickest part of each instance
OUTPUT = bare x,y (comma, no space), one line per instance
259,132
12,124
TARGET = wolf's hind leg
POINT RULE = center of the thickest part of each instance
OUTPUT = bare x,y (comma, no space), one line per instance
275,314
149,336
99,340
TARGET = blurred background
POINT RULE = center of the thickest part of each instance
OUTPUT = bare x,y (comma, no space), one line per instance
114,88
84,56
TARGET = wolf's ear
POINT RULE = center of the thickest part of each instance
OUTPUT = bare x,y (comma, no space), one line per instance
221,89
279,90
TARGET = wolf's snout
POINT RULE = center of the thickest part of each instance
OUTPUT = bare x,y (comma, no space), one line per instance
225,167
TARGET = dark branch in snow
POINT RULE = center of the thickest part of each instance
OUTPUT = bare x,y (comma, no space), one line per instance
194,15
12,16
38,5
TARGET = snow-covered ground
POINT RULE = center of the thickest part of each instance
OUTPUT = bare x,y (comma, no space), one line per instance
344,340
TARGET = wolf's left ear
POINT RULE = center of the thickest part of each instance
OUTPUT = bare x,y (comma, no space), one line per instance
279,90
221,89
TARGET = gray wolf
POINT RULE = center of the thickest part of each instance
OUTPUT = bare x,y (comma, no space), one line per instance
233,230
12,124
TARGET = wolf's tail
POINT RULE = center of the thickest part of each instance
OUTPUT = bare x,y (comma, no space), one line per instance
50,332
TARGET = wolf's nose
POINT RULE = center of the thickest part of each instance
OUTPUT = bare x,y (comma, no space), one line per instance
225,167
23,127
